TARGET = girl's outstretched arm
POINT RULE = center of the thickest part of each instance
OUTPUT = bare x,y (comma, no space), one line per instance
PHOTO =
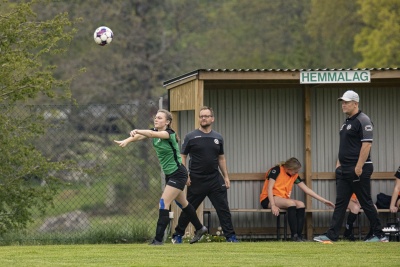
150,133
126,141
310,192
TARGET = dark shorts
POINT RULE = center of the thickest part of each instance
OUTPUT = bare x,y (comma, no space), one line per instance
205,184
178,178
264,203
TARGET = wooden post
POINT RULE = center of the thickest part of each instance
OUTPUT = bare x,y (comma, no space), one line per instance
308,161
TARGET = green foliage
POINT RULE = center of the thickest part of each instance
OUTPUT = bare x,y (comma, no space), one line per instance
26,176
129,69
115,188
25,179
245,34
24,43
378,41
331,27
160,39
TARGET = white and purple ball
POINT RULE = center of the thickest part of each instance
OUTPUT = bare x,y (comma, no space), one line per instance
103,35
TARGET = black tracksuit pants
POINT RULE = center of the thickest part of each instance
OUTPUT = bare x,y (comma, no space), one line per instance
347,183
217,193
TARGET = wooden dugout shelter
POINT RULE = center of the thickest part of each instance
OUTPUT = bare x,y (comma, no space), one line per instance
269,115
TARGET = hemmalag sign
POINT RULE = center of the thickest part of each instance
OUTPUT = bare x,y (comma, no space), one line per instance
337,76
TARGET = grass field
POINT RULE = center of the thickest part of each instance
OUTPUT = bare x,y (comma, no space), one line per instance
206,254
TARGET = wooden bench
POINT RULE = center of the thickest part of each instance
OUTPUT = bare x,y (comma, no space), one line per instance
313,176
207,211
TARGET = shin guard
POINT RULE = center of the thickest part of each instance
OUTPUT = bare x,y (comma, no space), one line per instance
162,223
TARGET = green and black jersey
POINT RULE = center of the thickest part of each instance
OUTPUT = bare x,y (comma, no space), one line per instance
168,152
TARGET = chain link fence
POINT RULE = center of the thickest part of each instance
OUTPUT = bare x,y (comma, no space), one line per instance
113,194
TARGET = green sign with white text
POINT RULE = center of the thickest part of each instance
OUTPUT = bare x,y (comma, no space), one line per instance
337,76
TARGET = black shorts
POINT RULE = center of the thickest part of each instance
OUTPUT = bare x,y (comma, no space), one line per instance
264,203
178,178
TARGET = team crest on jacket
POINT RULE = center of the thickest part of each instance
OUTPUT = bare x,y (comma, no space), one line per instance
216,141
348,127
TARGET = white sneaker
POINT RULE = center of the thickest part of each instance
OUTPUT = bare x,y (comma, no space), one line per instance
375,238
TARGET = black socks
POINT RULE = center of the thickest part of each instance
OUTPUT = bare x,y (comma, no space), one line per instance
292,220
191,213
162,223
300,214
351,218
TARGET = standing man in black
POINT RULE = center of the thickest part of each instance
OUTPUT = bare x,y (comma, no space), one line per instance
207,161
395,201
354,169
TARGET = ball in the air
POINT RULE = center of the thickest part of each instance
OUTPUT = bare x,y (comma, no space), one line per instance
103,35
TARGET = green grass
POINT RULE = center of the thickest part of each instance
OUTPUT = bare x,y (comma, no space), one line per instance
206,254
103,234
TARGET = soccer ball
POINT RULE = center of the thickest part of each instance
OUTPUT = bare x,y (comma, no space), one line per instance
103,35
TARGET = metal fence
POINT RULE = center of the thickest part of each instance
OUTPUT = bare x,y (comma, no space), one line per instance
114,191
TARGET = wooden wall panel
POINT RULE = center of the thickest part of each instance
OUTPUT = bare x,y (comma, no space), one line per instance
183,97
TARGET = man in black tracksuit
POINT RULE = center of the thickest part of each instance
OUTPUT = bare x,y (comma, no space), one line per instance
395,201
206,149
354,169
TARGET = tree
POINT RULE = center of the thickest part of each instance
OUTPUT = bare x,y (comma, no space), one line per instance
155,40
132,67
332,26
26,180
378,41
246,34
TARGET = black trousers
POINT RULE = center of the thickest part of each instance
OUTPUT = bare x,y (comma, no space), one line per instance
219,198
347,183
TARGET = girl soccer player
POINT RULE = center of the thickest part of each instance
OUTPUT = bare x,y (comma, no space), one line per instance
165,143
